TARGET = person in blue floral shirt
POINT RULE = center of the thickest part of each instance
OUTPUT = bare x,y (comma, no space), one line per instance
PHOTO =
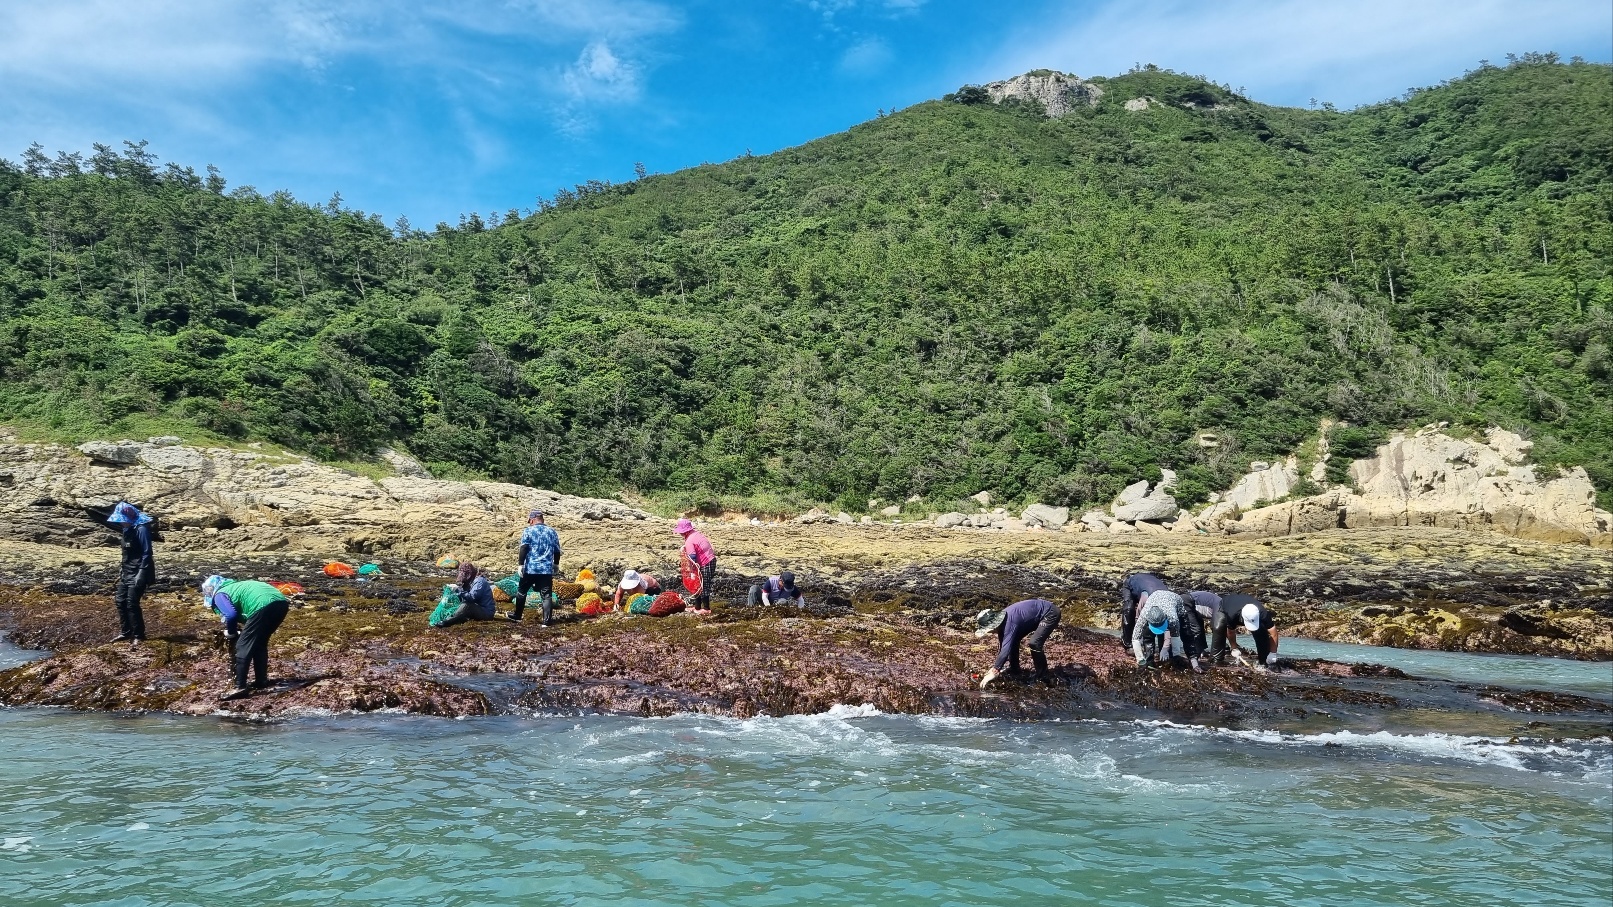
540,558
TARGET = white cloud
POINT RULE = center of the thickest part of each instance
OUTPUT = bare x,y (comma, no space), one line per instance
598,74
865,58
1351,53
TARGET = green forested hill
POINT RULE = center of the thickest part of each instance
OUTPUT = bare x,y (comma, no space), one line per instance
959,296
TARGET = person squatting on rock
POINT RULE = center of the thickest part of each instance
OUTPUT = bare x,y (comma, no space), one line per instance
1157,635
634,582
1262,625
775,589
1032,621
540,558
137,570
475,597
251,611
697,550
1134,590
1224,627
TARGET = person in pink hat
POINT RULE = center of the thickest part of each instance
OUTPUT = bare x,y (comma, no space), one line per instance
697,550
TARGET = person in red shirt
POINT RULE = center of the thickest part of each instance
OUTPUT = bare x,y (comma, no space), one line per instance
698,551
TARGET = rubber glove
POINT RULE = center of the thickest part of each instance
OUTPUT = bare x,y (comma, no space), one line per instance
990,676
1271,659
1237,656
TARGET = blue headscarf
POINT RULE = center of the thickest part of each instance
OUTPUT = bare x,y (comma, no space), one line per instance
128,515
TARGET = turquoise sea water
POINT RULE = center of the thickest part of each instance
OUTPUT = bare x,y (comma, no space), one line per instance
851,807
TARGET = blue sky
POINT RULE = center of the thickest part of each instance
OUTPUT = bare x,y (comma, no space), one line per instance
434,109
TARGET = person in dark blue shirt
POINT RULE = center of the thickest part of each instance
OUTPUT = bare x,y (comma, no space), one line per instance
1134,591
774,590
1031,621
137,571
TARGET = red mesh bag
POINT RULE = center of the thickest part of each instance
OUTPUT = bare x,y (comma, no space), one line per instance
666,603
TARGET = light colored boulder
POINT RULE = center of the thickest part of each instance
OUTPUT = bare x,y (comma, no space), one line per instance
402,464
1096,520
165,441
119,454
1118,528
1045,516
982,498
1130,495
890,511
949,520
844,518
1151,508
1057,92
1167,481
1010,525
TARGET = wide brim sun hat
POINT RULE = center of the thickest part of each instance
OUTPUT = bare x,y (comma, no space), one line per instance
988,621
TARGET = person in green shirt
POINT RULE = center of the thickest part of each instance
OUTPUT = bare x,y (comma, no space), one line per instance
251,611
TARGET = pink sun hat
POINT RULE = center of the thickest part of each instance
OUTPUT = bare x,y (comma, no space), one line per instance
684,527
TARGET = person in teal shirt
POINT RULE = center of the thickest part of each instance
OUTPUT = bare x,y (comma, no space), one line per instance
251,612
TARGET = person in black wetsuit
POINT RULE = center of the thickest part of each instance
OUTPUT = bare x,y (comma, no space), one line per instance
1262,625
1134,590
1031,621
137,571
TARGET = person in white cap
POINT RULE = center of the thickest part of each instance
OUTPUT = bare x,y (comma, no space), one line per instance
635,583
1224,625
1262,625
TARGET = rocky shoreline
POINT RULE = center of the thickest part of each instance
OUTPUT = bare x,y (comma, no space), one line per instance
886,625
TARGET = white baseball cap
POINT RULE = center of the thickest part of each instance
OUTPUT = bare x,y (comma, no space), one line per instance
631,579
1251,617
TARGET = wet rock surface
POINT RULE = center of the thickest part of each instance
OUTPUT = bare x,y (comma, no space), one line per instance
896,636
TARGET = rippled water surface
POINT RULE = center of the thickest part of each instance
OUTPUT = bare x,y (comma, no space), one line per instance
847,808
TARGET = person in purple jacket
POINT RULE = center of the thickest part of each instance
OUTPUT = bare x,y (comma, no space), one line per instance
136,571
1031,621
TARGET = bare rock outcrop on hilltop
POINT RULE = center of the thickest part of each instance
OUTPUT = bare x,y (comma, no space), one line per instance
252,500
1427,478
1057,92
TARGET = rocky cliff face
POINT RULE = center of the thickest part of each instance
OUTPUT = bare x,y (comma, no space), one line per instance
1427,478
1057,92
254,501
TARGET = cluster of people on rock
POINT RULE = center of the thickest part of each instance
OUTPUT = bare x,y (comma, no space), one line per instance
1158,625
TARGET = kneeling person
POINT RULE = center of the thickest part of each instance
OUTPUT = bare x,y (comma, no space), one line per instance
251,612
1031,621
475,598
775,589
634,583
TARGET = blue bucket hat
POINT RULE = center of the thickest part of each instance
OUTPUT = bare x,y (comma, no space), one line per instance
1159,628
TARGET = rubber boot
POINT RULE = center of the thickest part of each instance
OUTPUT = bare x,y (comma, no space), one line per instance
548,607
1039,659
520,605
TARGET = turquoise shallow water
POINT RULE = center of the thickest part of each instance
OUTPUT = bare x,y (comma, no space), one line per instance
847,808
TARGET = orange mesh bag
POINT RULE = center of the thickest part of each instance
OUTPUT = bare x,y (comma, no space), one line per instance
340,570
585,574
666,603
289,589
590,605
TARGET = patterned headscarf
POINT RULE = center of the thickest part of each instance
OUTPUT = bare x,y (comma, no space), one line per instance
210,587
128,515
467,575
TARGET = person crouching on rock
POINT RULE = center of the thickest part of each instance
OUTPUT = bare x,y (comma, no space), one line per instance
634,583
540,558
1197,611
1032,621
1134,591
775,589
1157,636
475,597
1224,627
251,612
1262,625
698,551
137,571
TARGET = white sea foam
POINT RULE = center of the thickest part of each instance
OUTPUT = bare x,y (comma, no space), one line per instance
139,826
17,845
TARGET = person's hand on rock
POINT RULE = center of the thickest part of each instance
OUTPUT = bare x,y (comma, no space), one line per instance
990,676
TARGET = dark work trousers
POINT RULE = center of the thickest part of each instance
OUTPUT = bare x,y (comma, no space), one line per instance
1128,619
1192,630
543,584
1037,643
1220,626
132,583
1262,645
252,647
702,599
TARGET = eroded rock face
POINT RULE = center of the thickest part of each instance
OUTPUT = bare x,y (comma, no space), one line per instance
282,500
1432,479
1057,92
1045,516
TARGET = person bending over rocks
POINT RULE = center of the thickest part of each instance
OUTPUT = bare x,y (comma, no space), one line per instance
1224,627
1134,590
1262,625
697,551
137,571
775,589
251,612
540,558
475,597
1157,636
634,582
1031,621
